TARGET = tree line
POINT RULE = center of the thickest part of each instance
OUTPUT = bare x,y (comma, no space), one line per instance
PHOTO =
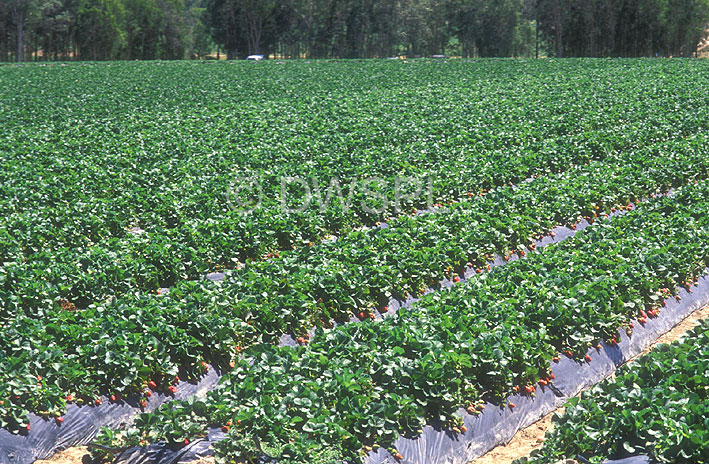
179,29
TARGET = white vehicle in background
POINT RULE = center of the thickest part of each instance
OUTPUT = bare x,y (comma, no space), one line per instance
254,58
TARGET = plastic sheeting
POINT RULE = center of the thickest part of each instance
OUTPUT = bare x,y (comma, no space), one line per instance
82,423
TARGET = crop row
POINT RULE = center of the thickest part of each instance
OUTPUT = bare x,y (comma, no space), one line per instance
77,179
656,406
116,347
359,386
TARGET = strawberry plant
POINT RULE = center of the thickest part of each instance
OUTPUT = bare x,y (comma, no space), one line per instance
364,384
655,406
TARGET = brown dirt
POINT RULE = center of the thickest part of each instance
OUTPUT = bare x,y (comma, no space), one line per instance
69,456
532,437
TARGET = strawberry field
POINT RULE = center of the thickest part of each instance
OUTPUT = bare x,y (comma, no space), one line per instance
118,196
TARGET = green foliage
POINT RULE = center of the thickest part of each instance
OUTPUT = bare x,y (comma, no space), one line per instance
364,384
78,289
655,406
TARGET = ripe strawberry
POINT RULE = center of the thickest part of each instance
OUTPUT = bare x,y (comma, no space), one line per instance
573,226
152,385
398,456
143,403
372,317
362,315
69,398
28,428
384,309
511,405
479,271
456,279
515,388
556,359
172,389
542,382
463,428
59,420
98,401
552,376
225,428
301,340
587,358
186,442
148,393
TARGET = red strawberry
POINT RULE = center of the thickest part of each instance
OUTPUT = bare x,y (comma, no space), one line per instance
456,279
69,398
463,428
515,388
186,442
148,393
143,403
587,358
384,309
398,456
479,271
172,389
362,315
98,401
152,385
301,340
542,382
27,427
551,376
59,420
556,359
372,317
512,405
176,379
225,428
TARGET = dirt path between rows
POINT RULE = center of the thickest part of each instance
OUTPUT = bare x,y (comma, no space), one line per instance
521,444
531,438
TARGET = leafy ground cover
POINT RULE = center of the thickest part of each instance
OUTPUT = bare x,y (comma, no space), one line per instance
117,348
89,152
359,386
115,181
655,406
